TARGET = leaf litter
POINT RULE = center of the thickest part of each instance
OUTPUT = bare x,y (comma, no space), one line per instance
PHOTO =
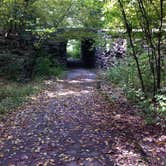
70,123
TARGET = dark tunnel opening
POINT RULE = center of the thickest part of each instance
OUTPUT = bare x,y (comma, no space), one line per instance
80,53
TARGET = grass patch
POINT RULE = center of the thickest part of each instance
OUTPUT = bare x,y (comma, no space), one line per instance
13,94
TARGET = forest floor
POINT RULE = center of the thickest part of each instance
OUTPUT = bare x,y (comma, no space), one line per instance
71,123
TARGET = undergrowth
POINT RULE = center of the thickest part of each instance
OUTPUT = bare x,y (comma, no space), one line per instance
46,66
124,75
14,94
15,91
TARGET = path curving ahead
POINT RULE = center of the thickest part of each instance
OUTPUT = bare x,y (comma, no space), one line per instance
66,125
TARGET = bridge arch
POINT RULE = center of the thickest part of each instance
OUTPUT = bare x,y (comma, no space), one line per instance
56,45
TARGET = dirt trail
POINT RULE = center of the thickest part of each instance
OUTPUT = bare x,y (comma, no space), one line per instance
68,124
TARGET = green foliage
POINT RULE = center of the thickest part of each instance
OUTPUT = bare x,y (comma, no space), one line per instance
45,66
154,109
124,74
74,49
16,15
16,66
160,104
114,19
14,95
52,13
68,13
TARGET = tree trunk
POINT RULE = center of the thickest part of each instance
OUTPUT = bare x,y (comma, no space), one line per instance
129,30
159,47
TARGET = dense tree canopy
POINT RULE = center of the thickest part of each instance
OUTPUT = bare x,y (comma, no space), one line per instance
51,14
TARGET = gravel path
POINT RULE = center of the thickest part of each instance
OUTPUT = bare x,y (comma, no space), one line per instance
68,124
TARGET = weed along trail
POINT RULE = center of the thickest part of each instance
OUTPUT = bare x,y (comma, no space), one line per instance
70,124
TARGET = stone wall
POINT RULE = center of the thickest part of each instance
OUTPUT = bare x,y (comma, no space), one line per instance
56,49
100,57
113,49
16,50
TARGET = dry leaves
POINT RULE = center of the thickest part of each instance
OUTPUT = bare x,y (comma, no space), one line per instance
71,124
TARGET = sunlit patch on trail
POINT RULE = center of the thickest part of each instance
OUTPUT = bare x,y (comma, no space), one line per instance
66,93
70,92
